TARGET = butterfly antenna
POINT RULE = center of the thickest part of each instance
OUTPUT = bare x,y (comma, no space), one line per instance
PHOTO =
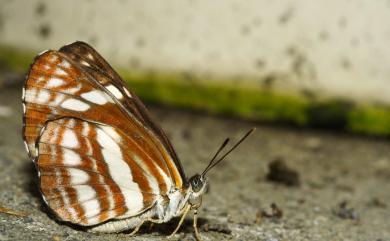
216,154
213,164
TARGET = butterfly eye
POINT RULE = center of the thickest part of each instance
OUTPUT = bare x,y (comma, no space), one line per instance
196,183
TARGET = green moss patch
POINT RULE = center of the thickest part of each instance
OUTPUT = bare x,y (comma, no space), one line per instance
255,103
246,101
250,103
373,120
15,60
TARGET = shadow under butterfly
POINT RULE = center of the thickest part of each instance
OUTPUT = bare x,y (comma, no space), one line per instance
101,160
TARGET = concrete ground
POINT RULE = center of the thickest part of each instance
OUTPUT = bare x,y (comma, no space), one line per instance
344,191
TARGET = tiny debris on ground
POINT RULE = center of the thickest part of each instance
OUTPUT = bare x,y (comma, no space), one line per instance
376,202
276,212
346,213
280,173
12,212
216,227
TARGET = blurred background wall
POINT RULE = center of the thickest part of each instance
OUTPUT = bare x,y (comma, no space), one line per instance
327,62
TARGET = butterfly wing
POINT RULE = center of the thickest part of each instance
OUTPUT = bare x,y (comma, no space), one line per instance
85,176
96,66
64,99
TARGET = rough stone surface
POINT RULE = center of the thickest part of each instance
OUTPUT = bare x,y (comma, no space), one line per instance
344,192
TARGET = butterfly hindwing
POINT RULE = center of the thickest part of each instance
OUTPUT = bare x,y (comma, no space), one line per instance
87,177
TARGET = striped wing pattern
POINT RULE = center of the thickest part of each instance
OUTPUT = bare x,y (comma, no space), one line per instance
104,73
98,154
87,179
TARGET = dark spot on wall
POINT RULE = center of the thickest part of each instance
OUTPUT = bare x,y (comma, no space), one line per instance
44,31
269,80
286,16
256,22
213,55
323,36
310,94
245,30
188,77
342,22
93,40
260,64
298,64
346,64
135,62
291,51
355,42
301,66
140,42
40,9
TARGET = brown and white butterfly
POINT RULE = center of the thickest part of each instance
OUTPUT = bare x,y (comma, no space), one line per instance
101,161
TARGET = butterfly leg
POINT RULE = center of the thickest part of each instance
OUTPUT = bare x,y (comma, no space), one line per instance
181,221
135,230
197,236
151,226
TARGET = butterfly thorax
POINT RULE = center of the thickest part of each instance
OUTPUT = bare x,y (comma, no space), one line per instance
170,206
178,199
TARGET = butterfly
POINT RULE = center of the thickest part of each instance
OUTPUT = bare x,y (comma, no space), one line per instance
102,162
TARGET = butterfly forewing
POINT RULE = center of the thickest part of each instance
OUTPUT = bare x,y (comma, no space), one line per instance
56,88
98,153
95,65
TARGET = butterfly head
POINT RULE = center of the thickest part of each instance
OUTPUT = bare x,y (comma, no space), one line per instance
198,185
198,182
